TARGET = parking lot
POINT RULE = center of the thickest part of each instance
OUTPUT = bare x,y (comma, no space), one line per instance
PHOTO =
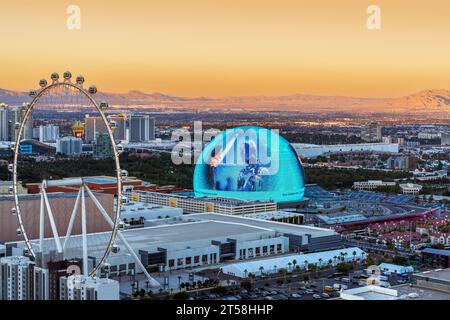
317,289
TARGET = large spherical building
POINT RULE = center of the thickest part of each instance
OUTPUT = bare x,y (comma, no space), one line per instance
249,163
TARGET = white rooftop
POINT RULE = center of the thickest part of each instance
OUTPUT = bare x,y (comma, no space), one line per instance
369,293
241,269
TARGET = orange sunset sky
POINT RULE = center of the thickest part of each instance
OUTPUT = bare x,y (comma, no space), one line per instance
226,47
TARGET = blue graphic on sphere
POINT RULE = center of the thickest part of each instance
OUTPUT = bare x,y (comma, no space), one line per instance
249,163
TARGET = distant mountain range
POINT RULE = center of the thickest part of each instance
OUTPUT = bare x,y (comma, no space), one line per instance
427,101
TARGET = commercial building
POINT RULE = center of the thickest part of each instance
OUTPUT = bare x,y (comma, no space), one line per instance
200,240
438,279
253,163
78,287
428,135
34,147
140,212
410,188
99,184
290,262
62,205
6,188
427,285
47,133
10,118
371,185
191,204
94,126
393,268
436,257
279,216
312,150
141,128
20,279
15,117
70,146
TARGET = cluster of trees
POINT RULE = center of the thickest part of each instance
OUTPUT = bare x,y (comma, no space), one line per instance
157,169
208,283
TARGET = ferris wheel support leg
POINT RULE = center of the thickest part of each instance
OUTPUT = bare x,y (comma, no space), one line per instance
52,222
41,224
84,232
72,220
152,282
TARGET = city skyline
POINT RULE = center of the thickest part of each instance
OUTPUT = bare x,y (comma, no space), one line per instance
218,49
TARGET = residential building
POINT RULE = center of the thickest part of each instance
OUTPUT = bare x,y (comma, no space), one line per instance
47,133
94,126
141,128
21,279
78,287
4,126
102,148
70,146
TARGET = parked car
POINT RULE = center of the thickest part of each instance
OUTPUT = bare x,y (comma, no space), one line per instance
317,296
325,295
295,295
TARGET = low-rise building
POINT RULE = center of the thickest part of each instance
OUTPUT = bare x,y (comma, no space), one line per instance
427,285
394,268
436,257
198,240
372,185
191,204
312,150
291,262
440,238
410,188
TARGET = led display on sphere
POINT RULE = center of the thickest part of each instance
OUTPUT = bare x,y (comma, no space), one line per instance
249,163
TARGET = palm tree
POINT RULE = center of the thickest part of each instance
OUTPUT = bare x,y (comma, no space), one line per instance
261,269
275,268
320,262
330,262
294,262
245,273
354,256
306,264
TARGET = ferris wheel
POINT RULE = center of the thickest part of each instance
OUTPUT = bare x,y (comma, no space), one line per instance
47,92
